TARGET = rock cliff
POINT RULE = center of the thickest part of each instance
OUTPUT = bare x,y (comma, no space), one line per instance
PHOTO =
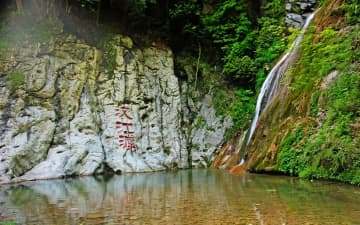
65,112
296,11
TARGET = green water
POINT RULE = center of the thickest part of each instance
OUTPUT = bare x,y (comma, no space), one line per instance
184,197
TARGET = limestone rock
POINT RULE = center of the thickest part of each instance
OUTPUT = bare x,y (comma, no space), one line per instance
207,134
72,116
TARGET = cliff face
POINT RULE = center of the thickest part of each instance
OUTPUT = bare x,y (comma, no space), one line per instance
64,113
296,11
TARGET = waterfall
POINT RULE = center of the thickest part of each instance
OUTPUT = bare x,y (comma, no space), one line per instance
272,82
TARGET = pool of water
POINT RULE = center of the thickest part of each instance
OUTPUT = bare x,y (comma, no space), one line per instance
183,197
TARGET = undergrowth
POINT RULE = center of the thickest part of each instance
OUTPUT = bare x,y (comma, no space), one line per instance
330,149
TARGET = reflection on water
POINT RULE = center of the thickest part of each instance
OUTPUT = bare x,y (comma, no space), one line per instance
184,197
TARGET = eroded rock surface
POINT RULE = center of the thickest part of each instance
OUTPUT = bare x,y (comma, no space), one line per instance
70,114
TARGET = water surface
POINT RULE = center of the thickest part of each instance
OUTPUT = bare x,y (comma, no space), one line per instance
183,197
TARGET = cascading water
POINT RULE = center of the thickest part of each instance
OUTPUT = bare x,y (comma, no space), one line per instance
272,82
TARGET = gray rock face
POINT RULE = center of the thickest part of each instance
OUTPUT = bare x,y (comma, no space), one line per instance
296,11
206,134
294,20
71,116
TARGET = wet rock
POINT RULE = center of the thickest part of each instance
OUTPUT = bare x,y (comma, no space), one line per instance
305,6
296,11
294,20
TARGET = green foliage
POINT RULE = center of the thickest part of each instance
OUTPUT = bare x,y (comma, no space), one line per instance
245,45
314,103
8,223
229,27
328,153
235,23
110,57
331,151
200,122
243,68
331,52
338,144
183,8
16,79
275,9
188,12
270,41
344,95
221,101
352,11
240,106
289,156
243,108
167,150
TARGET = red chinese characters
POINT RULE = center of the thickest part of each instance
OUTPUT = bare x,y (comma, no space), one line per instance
124,127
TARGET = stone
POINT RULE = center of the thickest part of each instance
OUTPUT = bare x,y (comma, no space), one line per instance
305,6
329,79
297,11
208,136
288,7
294,20
72,118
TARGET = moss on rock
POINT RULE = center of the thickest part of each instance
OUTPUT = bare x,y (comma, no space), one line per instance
310,130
